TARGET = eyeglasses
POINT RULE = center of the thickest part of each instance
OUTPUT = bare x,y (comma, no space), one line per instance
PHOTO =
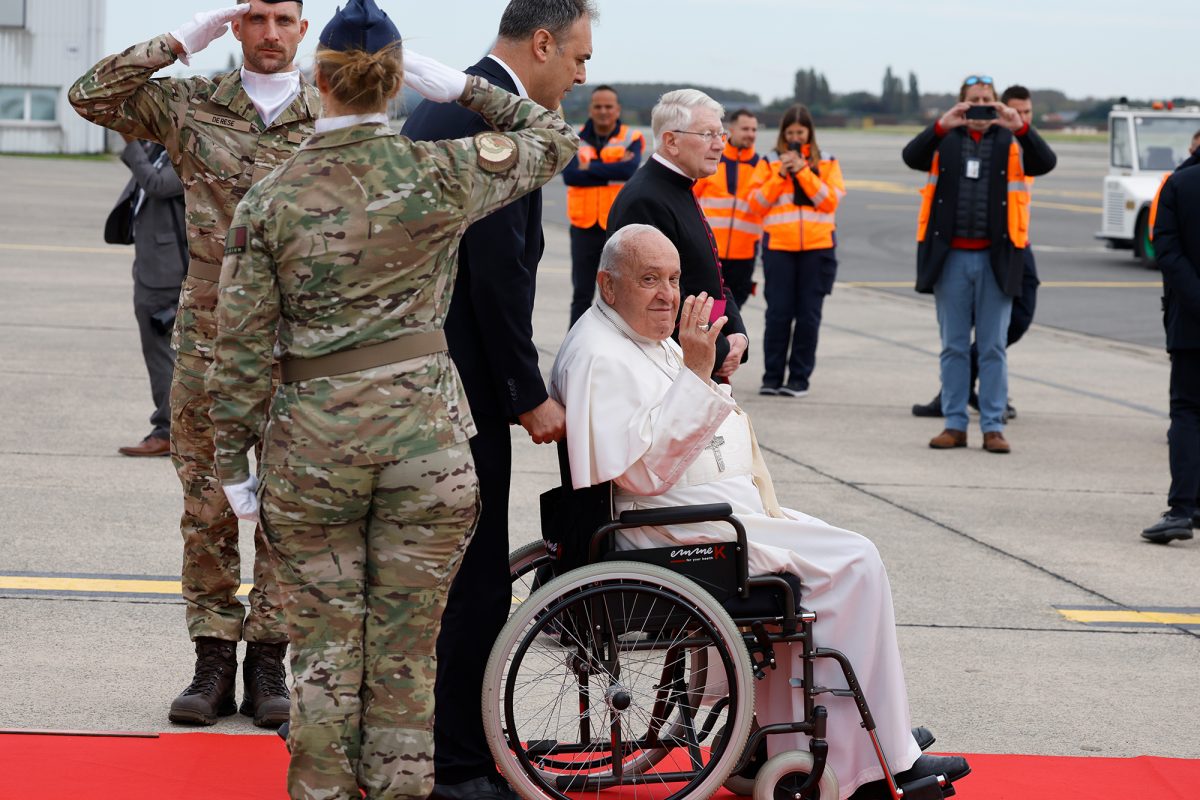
974,79
707,136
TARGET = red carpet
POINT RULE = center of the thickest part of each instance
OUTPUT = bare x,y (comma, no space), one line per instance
206,766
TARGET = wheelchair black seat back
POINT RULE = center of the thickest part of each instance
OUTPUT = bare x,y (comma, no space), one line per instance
637,667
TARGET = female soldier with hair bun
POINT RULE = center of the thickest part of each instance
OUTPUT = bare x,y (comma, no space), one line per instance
341,264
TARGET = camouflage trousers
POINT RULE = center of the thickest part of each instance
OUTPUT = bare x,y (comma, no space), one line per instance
212,571
365,558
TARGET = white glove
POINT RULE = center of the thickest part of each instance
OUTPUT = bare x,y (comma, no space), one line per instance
431,79
243,498
205,28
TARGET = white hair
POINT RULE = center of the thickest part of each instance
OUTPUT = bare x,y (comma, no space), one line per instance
622,245
674,110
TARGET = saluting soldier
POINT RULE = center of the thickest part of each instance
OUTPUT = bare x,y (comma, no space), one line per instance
343,261
223,135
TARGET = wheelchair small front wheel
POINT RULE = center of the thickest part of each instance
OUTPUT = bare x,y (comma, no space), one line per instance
784,773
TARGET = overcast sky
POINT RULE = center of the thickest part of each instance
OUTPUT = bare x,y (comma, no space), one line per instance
1099,48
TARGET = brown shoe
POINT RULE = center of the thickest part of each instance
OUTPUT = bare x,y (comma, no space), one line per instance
994,442
149,447
949,438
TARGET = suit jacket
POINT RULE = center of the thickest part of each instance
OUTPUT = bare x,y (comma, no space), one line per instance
159,255
662,198
1177,251
490,323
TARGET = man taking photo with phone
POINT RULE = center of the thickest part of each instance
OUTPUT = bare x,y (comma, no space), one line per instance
972,230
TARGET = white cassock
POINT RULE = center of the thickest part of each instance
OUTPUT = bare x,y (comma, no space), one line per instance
636,416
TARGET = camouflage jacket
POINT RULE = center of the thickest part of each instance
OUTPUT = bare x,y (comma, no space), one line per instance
217,142
354,242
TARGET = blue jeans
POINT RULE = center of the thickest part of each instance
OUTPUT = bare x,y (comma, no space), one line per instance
966,291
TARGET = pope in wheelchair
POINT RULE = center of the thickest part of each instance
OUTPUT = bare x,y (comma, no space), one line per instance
626,671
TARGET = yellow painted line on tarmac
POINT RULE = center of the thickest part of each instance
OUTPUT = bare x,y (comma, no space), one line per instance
1116,616
54,248
891,187
73,585
1067,207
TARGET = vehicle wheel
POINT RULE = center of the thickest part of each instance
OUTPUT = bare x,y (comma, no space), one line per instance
1143,247
595,679
785,773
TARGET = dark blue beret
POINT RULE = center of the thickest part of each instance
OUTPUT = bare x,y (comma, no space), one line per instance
361,25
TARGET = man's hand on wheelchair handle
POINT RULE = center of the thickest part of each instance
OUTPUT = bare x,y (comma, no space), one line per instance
545,424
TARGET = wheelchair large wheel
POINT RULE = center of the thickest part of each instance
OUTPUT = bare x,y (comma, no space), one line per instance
525,568
597,680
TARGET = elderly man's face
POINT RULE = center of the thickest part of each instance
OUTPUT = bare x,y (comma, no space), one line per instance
270,34
645,290
689,150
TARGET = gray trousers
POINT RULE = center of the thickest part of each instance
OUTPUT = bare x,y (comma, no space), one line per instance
156,352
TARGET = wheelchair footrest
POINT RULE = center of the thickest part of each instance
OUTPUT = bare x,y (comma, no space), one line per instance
927,789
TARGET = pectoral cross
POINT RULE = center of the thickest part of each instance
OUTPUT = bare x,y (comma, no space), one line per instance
715,446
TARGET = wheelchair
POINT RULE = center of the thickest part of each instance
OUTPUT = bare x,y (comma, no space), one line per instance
636,668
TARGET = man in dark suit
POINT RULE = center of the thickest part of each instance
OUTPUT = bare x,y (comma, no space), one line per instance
152,206
541,53
1177,250
687,127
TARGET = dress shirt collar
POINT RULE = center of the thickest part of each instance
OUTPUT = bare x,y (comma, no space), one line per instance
520,86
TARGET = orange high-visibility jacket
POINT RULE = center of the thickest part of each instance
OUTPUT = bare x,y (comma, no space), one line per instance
588,205
1154,205
805,223
725,200
1018,197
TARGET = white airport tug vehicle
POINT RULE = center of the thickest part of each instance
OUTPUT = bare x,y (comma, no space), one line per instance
1144,144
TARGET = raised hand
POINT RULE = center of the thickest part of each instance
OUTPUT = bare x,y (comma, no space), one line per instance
203,29
697,337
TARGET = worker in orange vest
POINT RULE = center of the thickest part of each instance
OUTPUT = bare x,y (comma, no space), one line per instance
797,200
1019,99
725,199
609,154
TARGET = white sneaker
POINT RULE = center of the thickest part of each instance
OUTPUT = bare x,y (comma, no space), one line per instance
788,391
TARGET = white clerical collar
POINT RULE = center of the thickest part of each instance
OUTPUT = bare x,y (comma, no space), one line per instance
671,166
619,322
327,124
272,92
520,86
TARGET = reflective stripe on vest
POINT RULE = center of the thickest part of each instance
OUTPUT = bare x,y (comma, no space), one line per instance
795,228
735,226
589,205
1017,197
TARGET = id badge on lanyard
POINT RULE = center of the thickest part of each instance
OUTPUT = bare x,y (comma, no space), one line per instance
973,168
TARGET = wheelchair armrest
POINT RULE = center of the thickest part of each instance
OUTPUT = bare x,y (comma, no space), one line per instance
676,515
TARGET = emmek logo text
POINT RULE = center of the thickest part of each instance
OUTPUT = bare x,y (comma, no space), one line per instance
710,552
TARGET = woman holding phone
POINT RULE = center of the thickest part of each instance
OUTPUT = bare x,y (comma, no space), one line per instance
797,199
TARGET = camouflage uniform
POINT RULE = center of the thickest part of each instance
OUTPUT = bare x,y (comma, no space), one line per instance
219,147
369,493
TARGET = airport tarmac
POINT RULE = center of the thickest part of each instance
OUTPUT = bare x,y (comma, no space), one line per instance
1032,617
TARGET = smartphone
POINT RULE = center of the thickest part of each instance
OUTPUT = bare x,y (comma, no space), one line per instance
981,112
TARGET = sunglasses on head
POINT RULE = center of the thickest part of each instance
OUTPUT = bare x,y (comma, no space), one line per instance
974,79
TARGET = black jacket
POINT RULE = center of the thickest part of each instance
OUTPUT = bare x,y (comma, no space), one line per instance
659,197
1008,263
1177,250
490,323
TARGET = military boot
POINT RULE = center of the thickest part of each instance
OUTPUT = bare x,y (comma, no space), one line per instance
264,688
210,694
